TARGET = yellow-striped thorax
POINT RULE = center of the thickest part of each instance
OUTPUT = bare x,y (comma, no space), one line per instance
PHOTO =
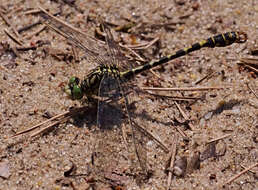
76,88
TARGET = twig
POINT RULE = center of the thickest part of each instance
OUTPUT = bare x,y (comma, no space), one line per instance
210,74
23,48
253,172
9,24
35,33
252,90
60,118
182,133
29,26
12,37
33,11
5,18
185,89
249,63
219,138
49,126
155,74
133,52
40,124
185,137
184,116
151,43
251,68
172,161
142,45
252,61
75,53
177,98
241,173
15,10
152,137
137,46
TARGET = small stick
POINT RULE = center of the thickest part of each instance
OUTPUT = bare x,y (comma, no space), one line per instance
16,10
49,126
172,161
184,116
152,137
252,90
75,53
137,46
29,26
251,68
133,52
5,18
175,97
66,115
155,74
12,37
249,63
185,89
253,172
205,77
253,61
35,33
23,48
124,137
142,45
241,173
219,138
40,124
9,24
182,133
151,43
33,11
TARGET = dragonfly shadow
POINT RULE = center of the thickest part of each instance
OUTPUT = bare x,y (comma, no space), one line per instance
145,116
112,116
88,117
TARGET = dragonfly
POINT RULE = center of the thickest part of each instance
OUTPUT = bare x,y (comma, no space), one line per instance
109,81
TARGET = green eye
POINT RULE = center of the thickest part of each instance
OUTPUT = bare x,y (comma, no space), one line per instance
76,92
73,81
73,89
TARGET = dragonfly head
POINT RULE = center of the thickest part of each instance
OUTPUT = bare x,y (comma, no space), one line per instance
73,89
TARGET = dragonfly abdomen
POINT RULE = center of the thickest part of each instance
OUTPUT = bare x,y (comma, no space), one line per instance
221,40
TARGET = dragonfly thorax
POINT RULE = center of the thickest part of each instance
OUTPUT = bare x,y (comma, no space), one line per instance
90,85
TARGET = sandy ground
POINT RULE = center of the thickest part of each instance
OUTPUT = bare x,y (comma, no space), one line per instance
31,92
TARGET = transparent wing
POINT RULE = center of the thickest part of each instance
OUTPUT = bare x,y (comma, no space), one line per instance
116,149
110,149
114,50
109,94
137,141
95,50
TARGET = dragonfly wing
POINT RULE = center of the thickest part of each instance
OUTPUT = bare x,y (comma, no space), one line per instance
137,140
117,150
114,50
95,51
109,94
110,149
